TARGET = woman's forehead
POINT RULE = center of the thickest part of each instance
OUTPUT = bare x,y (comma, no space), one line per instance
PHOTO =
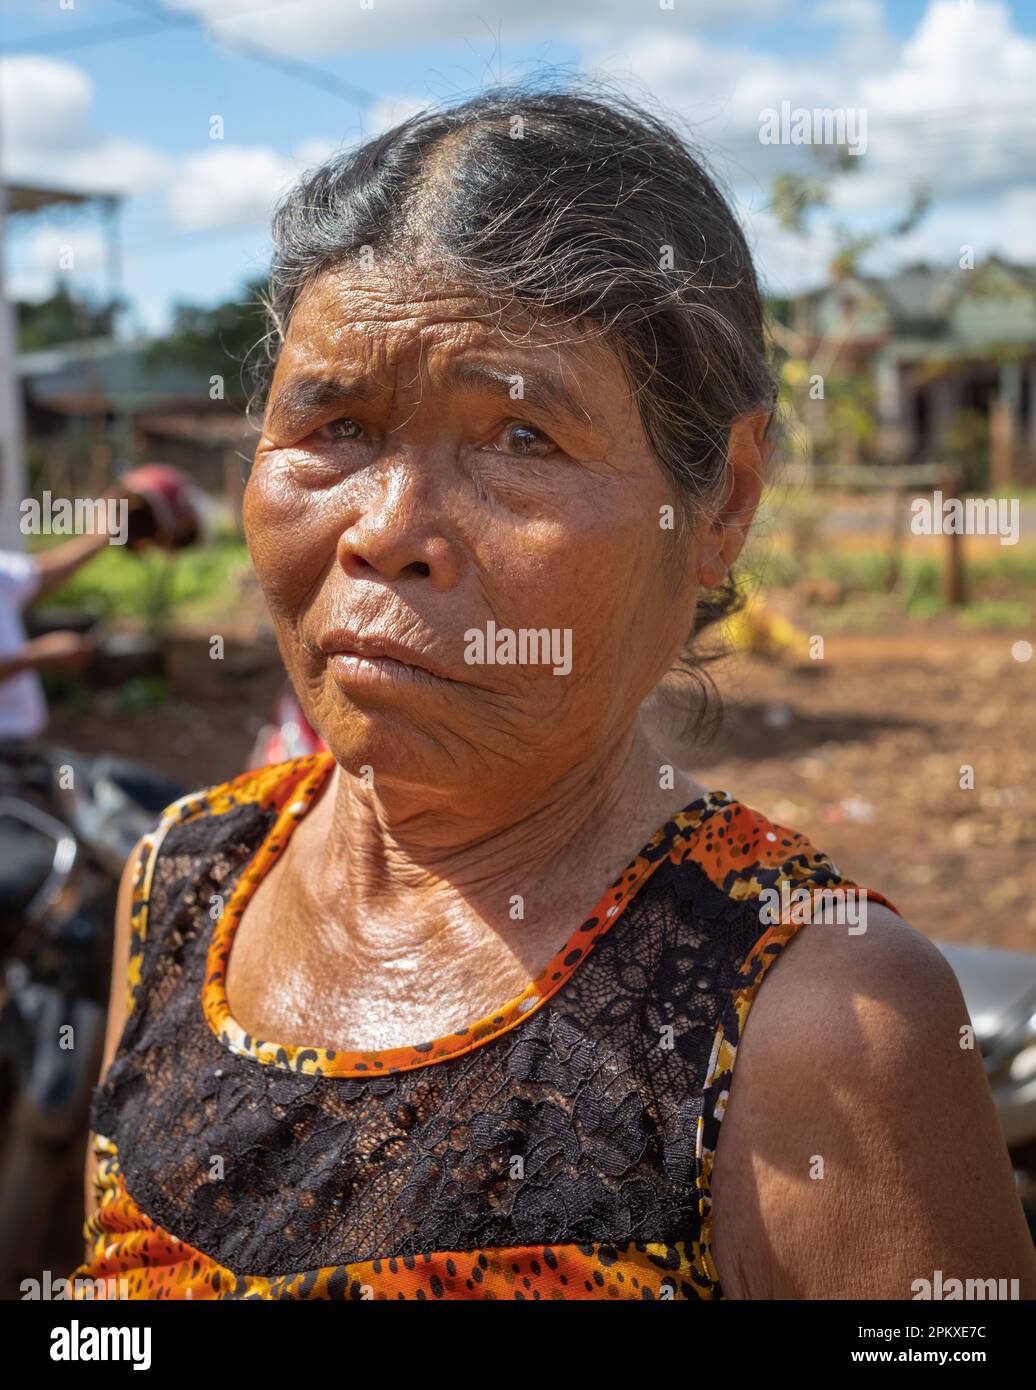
357,321
405,304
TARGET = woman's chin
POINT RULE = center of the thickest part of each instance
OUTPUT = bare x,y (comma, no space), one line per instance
384,747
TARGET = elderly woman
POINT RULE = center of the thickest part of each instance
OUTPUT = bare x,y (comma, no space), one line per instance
453,1010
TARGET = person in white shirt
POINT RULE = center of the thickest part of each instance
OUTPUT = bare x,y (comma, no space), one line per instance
24,578
160,506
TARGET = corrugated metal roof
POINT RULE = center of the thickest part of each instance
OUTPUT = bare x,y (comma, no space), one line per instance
215,428
25,197
919,293
100,374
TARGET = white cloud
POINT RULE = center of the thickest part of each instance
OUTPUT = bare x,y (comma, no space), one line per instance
1003,226
232,185
950,104
308,153
74,248
787,263
51,253
951,107
310,27
49,137
389,110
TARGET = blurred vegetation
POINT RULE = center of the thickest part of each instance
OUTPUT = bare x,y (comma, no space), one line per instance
62,318
965,443
154,587
840,424
854,585
229,332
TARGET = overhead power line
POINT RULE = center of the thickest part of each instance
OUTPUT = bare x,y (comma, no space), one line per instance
96,33
294,67
155,18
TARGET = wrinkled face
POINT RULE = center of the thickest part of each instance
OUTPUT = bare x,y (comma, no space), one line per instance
463,537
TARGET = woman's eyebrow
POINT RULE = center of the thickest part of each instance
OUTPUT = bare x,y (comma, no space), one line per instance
543,390
302,397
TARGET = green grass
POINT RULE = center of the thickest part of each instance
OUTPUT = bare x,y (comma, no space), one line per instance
149,586
1000,584
996,613
867,570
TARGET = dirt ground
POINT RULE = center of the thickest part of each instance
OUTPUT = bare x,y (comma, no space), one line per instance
204,731
862,752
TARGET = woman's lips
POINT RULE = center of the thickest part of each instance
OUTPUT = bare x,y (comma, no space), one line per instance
352,669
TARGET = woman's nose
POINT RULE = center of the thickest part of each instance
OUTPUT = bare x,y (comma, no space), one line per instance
400,532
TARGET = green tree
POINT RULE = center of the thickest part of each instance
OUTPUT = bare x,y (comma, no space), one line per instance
844,416
223,338
61,319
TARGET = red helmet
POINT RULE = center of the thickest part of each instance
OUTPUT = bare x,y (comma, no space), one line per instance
166,507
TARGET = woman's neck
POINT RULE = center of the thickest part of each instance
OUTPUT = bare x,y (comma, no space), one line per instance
391,861
387,920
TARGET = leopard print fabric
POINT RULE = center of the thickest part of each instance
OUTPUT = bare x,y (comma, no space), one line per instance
561,1147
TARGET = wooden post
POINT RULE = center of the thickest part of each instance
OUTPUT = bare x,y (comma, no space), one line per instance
63,477
895,565
954,582
100,468
45,482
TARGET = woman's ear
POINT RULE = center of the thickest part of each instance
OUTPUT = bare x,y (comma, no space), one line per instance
747,453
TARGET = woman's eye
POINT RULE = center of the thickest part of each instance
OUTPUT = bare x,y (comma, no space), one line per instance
525,441
340,431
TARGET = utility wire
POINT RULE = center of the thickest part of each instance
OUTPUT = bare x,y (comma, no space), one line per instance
82,38
294,67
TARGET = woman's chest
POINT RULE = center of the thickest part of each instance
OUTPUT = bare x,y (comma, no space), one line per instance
553,1134
573,1124
296,977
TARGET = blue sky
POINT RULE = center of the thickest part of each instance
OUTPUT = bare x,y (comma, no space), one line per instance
100,96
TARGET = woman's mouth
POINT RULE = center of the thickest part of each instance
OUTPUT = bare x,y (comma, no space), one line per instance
352,669
373,660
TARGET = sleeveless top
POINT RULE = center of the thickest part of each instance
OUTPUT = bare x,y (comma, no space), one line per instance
560,1147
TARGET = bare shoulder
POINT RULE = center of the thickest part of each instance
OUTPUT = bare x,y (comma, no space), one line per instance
118,997
860,1150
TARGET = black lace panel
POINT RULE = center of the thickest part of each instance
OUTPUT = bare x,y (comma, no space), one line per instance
577,1126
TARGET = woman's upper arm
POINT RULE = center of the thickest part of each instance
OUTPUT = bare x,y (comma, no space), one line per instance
860,1151
118,993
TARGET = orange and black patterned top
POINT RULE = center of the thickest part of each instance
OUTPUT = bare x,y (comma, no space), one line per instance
560,1147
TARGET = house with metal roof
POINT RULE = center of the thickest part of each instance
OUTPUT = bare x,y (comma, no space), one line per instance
940,345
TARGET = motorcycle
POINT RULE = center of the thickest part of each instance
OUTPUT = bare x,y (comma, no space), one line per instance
68,823
67,826
288,733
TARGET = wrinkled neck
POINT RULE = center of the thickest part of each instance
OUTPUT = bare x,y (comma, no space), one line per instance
392,851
